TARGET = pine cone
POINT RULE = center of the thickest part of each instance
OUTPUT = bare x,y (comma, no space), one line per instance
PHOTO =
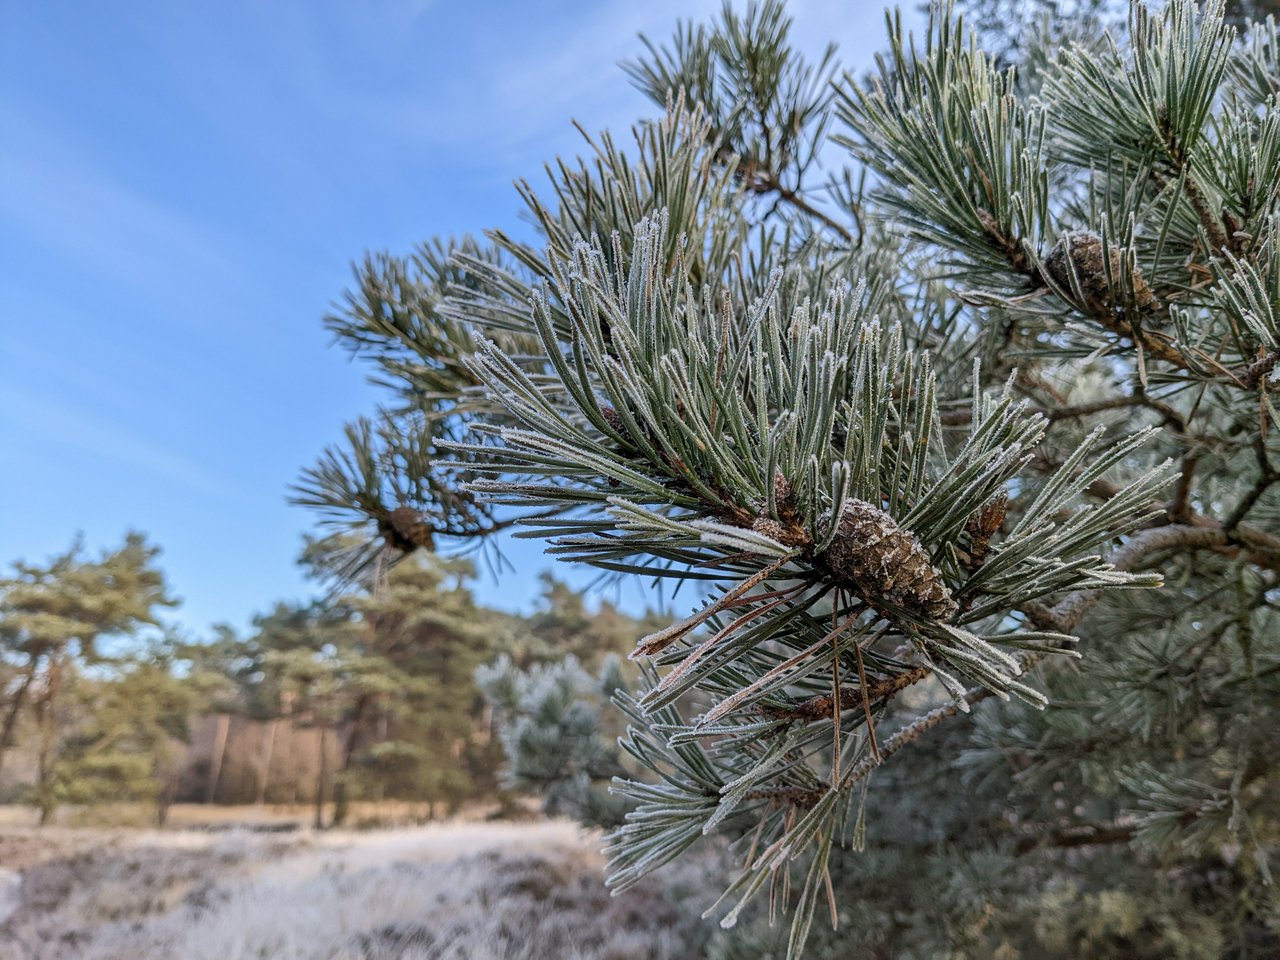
1084,252
982,525
773,529
405,529
614,419
882,560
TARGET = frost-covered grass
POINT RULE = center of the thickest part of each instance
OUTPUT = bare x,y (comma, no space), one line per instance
446,892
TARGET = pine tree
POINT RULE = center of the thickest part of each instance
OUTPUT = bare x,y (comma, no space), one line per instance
53,620
130,747
420,726
924,434
563,626
558,737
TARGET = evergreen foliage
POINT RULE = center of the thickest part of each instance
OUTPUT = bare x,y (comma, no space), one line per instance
53,619
915,443
130,747
558,736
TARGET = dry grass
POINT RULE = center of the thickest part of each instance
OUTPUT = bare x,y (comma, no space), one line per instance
389,813
447,892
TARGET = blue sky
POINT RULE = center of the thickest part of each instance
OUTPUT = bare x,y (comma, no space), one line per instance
182,189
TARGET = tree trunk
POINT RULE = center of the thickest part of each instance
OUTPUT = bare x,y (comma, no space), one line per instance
219,752
341,801
165,795
264,761
15,707
44,763
320,780
47,737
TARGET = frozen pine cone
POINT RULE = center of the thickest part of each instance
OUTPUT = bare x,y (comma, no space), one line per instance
883,561
613,419
1083,252
983,524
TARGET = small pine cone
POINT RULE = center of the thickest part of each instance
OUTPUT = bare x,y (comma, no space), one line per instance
613,419
773,529
786,531
405,529
782,492
884,561
1084,252
982,525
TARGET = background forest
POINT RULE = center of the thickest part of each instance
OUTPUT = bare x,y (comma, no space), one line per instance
363,696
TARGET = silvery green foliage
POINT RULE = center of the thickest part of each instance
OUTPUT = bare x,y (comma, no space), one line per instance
549,720
905,443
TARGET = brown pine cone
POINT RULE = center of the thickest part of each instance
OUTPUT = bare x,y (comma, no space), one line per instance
882,560
982,525
1084,252
405,529
613,419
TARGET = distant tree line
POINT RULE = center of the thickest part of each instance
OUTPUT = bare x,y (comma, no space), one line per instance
366,695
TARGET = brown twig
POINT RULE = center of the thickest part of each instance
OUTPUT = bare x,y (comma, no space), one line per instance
1180,507
1260,368
1082,835
804,206
823,706
803,797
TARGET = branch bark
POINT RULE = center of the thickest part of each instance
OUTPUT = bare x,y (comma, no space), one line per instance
1081,835
824,706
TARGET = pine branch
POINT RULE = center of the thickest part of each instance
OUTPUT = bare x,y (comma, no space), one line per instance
1077,835
1064,617
1260,369
1262,548
1068,612
665,383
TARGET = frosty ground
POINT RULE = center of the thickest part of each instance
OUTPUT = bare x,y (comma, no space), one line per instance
475,890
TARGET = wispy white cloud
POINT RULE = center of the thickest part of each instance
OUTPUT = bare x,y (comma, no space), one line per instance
65,425
513,89
384,77
530,86
56,196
